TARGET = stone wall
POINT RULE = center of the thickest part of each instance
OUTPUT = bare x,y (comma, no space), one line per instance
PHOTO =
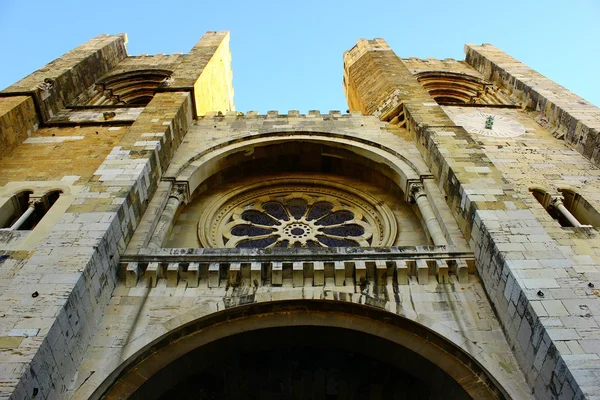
492,217
53,300
567,115
56,152
142,311
217,143
56,85
206,72
18,121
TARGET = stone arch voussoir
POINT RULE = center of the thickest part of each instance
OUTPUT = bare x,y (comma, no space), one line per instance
452,355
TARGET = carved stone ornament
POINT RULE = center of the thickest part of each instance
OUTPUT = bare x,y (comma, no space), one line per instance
34,201
557,201
416,190
297,216
180,192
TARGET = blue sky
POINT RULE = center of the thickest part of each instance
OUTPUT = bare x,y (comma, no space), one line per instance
288,55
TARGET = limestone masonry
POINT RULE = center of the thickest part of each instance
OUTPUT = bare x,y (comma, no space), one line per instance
440,239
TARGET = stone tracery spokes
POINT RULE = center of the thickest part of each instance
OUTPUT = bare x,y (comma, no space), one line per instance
297,221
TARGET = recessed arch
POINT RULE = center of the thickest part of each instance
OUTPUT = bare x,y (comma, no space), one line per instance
541,195
208,162
129,88
14,208
34,202
567,207
418,351
581,209
451,88
328,157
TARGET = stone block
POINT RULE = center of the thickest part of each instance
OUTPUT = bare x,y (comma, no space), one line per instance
319,273
370,271
381,270
287,271
173,270
234,274
340,273
255,274
442,271
360,272
132,274
391,271
462,271
10,342
193,275
402,272
214,275
277,273
298,273
152,273
422,272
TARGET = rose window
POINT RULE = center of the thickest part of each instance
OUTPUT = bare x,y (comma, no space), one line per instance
298,222
295,217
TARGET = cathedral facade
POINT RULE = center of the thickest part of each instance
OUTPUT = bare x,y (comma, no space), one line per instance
439,239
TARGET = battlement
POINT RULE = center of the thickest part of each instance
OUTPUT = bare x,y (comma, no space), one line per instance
274,114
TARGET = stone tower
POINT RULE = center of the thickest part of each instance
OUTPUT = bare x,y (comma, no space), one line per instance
438,241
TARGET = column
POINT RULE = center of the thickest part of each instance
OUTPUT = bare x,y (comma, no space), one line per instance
433,227
177,196
557,202
33,202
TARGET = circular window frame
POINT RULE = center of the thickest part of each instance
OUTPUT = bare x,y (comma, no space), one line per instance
216,221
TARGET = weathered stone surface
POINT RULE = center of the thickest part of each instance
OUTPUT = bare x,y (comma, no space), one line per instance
91,284
18,121
206,71
565,114
56,85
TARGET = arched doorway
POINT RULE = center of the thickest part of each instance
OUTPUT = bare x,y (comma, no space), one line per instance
301,349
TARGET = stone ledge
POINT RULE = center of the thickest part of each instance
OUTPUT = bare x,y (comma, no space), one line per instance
300,273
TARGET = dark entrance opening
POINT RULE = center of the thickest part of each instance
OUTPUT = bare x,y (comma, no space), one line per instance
302,362
300,349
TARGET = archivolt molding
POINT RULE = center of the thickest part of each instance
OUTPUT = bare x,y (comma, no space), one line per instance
203,164
132,87
462,359
450,87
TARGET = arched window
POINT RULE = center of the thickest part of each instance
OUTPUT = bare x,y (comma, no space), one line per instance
568,208
450,88
14,208
24,211
580,208
134,88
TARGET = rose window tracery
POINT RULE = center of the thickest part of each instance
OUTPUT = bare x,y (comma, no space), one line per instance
298,222
297,216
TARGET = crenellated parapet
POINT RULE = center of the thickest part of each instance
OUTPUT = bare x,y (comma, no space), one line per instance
274,114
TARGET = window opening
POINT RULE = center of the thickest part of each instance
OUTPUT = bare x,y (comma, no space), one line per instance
569,209
23,211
